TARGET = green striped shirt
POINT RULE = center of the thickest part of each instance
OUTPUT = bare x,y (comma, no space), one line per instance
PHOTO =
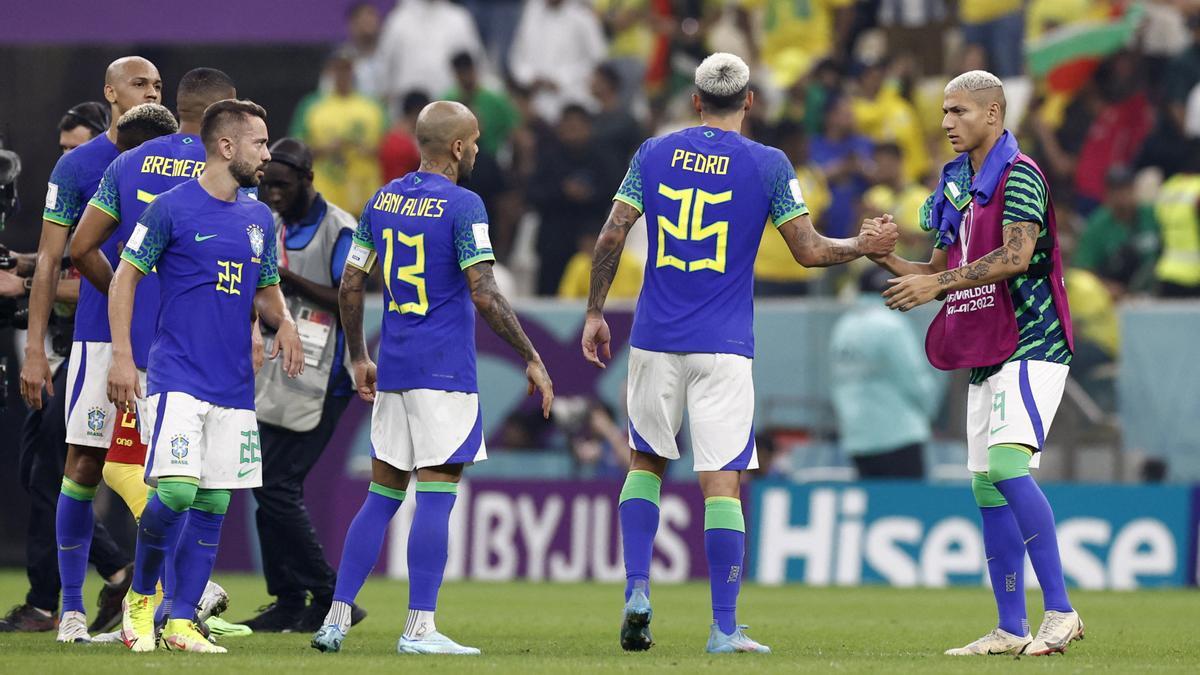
1040,333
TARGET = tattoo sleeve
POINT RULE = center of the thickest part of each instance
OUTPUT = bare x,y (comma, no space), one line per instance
607,255
1007,261
495,309
350,306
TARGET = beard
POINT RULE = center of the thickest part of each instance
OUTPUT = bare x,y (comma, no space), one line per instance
246,173
464,169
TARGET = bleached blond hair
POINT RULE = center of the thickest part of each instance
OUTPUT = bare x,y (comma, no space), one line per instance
975,82
722,74
149,115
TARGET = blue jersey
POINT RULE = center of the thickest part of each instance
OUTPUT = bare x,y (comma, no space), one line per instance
425,230
706,194
129,184
74,179
212,256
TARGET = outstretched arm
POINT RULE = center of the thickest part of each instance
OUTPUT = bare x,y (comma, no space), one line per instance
899,266
495,309
812,249
1011,259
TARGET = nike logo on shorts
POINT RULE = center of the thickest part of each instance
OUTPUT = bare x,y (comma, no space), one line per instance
246,472
205,237
1002,427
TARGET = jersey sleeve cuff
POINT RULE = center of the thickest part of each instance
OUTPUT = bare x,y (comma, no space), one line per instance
106,209
794,213
136,263
56,219
482,257
628,200
272,280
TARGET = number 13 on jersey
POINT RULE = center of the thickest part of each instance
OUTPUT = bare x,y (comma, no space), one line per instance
689,226
409,274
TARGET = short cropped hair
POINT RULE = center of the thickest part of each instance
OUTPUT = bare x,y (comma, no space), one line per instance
974,81
722,81
222,113
207,83
142,123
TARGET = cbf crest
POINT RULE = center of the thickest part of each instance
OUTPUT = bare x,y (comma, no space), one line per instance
95,421
179,446
256,239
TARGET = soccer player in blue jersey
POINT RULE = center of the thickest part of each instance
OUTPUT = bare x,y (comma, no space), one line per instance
432,236
214,251
128,81
706,192
130,183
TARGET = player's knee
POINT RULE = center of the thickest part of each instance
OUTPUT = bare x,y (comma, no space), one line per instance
642,461
388,476
215,502
1006,462
84,466
986,494
177,494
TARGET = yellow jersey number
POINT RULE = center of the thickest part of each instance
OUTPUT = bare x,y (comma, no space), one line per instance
229,275
690,226
408,274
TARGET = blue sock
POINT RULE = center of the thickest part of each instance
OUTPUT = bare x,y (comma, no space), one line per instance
194,559
1005,551
1036,520
638,512
158,532
163,611
364,539
427,542
725,548
73,523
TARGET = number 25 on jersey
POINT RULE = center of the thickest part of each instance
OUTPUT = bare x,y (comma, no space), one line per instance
689,226
412,275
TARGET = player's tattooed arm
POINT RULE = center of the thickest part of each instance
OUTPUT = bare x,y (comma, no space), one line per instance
607,254
1011,259
495,309
812,249
350,306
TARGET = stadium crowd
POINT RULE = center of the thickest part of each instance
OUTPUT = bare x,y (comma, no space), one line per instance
565,89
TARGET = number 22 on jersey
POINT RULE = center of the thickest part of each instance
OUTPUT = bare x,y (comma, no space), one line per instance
690,226
412,275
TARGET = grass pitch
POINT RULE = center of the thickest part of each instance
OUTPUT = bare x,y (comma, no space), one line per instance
550,628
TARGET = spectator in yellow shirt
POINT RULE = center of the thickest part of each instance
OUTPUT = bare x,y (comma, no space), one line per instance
884,116
344,128
893,193
999,27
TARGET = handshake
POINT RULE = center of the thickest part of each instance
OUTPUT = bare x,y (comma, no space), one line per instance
878,236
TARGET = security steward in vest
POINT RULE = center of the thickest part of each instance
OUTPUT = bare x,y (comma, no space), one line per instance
297,416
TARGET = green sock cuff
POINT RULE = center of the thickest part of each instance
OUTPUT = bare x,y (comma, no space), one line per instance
78,492
724,513
986,494
1006,461
437,486
641,484
215,502
384,491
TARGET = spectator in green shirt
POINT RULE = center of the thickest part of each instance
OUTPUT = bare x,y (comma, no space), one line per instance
497,115
1120,242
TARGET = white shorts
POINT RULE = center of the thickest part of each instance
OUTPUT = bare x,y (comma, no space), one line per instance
1016,405
90,415
189,437
419,428
717,390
